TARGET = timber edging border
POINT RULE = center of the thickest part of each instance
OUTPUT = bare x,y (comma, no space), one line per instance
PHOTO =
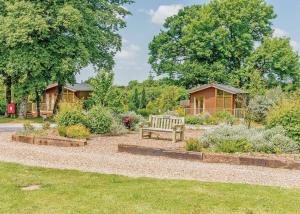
49,141
211,157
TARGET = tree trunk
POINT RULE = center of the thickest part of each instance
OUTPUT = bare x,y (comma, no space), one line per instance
8,89
8,84
60,92
37,102
23,107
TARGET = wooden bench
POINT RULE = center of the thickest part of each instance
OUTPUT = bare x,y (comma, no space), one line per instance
174,125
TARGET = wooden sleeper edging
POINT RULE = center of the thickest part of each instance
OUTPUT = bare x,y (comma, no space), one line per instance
211,157
49,141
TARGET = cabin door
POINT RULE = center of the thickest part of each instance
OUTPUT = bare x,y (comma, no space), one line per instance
199,105
47,102
52,102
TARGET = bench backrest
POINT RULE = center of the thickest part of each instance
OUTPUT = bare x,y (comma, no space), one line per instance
165,122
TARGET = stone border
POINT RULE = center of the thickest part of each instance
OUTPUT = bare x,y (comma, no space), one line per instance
49,141
212,157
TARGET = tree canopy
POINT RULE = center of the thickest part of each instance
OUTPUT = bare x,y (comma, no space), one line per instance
51,40
212,43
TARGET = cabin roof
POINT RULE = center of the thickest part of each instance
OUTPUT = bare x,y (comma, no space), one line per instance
227,88
75,87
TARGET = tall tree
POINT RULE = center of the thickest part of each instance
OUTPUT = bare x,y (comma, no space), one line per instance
206,43
276,62
68,34
134,102
102,84
143,102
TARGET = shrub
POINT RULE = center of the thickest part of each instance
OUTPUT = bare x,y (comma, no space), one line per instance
287,115
233,146
46,126
132,121
77,131
239,138
88,104
62,131
69,117
260,105
117,129
193,145
194,120
28,127
99,120
222,117
144,112
180,111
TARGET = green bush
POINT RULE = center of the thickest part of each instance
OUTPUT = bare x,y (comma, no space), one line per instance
233,146
193,120
69,117
193,145
27,126
222,117
260,105
132,121
144,112
46,126
62,131
287,115
88,104
118,128
77,131
99,120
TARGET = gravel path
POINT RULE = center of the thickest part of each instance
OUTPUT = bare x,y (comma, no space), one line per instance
101,156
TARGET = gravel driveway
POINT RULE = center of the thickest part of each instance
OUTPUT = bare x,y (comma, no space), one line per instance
101,156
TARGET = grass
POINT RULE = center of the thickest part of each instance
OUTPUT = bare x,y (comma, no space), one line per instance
64,191
17,120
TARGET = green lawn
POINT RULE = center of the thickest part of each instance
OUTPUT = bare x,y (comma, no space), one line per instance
17,120
78,192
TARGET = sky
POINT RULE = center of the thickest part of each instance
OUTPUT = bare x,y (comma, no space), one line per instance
147,19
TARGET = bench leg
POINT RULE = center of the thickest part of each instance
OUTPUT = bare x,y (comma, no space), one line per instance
141,134
182,136
174,137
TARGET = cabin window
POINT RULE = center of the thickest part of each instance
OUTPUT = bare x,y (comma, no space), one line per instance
223,100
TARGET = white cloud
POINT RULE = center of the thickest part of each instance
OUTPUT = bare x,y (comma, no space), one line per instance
164,11
128,52
282,33
296,46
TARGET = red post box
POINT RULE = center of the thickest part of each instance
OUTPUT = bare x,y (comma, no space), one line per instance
11,108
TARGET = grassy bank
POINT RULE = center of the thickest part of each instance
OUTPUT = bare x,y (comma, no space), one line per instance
77,192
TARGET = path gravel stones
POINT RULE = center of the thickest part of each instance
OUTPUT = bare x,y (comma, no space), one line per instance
101,156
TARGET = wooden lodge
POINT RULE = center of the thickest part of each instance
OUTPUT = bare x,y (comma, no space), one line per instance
72,94
212,98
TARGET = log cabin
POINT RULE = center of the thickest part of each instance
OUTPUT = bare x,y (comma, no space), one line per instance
71,94
212,98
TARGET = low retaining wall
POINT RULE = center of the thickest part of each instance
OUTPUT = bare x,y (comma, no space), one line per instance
212,157
49,141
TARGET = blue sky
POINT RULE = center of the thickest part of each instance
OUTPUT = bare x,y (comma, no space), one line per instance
146,21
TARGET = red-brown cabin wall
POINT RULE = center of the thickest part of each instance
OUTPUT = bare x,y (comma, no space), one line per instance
209,95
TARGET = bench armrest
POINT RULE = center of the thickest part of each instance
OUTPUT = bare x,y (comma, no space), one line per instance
145,125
